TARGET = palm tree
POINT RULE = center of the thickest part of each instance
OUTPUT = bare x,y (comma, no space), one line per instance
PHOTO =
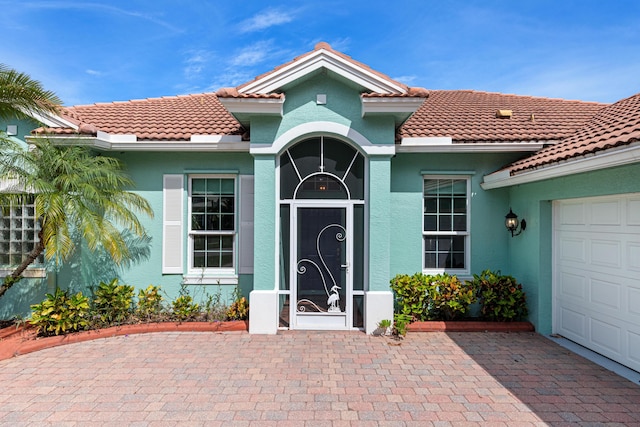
21,95
74,190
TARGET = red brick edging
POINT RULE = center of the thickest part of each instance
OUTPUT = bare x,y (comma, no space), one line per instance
470,326
22,340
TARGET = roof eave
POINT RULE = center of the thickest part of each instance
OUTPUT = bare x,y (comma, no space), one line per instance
113,142
589,163
51,120
446,144
390,104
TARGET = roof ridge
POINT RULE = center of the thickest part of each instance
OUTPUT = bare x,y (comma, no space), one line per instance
515,95
137,100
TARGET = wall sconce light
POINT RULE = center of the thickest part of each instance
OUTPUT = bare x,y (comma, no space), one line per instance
511,222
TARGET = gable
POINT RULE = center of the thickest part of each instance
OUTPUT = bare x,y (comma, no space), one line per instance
323,59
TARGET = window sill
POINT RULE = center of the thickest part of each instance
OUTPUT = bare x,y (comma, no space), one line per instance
193,279
29,273
460,274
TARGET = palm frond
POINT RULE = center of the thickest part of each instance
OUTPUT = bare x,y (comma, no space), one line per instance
20,95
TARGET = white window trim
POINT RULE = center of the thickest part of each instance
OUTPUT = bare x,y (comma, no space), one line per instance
31,272
467,234
211,276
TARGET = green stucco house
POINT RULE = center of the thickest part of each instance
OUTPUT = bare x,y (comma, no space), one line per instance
314,184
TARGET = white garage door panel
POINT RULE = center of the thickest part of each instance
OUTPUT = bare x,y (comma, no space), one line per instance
634,301
573,324
574,285
633,256
607,253
606,335
606,294
634,347
597,275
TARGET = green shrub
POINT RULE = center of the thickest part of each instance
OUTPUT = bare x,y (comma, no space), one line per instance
214,308
150,302
400,323
239,308
411,296
60,313
449,298
501,297
113,303
183,308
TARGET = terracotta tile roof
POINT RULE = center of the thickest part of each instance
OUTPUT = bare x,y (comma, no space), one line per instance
232,92
417,92
327,47
470,116
614,126
169,118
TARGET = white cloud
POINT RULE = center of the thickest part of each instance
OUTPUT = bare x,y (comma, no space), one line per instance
253,54
100,7
340,44
196,62
265,19
93,72
408,80
229,78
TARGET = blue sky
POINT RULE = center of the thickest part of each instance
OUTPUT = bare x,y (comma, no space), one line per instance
101,51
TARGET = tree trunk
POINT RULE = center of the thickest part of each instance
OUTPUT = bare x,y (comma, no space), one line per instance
14,277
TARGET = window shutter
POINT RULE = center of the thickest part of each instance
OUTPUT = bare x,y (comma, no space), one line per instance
245,249
172,229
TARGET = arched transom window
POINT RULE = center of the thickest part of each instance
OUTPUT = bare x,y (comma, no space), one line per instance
322,168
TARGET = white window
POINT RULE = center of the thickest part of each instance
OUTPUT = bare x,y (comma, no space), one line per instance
446,224
18,235
212,224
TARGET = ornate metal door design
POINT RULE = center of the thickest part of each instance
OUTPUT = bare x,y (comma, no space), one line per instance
322,257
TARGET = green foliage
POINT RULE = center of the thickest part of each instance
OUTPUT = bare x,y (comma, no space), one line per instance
400,323
149,302
214,308
501,297
424,297
239,308
60,313
411,296
449,298
384,324
184,308
113,303
20,94
74,190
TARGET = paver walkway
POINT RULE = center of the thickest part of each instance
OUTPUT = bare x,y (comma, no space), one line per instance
313,379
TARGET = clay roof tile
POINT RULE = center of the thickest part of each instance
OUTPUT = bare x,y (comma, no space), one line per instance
470,116
165,118
613,126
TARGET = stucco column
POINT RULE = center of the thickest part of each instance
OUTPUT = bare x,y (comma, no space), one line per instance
378,298
263,300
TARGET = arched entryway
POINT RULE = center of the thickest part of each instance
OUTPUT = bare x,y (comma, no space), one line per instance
322,235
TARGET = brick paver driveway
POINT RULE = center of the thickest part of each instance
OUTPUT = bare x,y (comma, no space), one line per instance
313,379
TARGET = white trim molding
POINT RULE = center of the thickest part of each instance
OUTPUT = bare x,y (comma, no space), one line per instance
116,142
50,120
382,105
593,162
444,144
317,60
268,106
322,128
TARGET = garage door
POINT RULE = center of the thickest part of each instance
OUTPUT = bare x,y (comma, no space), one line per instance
597,275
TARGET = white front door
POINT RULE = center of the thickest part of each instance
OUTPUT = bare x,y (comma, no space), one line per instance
321,238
